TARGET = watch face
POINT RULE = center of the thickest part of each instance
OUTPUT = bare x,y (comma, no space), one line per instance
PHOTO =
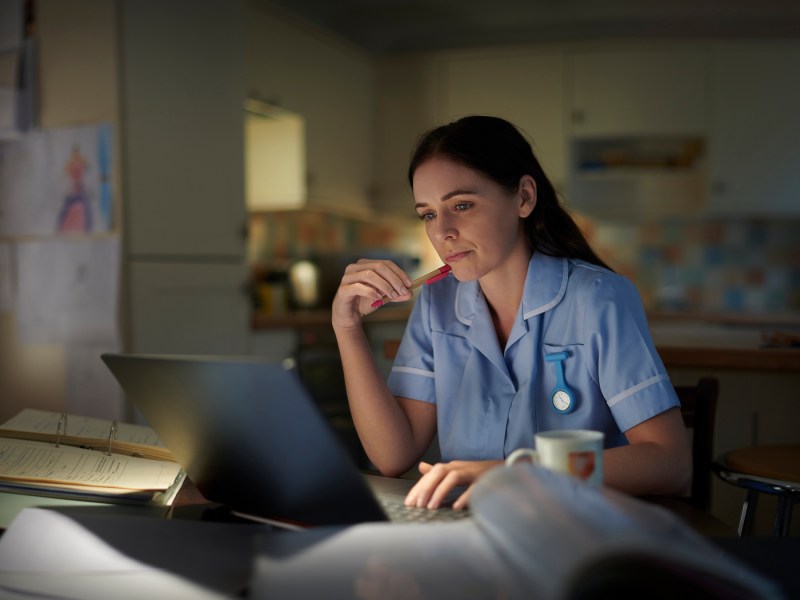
561,400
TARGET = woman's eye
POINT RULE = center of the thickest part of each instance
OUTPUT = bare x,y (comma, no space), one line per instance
462,206
426,216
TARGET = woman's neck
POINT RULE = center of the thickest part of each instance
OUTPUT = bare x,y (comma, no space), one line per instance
503,292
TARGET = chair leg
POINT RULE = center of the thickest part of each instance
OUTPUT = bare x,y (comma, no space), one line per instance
783,516
748,513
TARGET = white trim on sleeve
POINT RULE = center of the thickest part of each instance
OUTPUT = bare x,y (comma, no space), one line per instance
636,388
413,371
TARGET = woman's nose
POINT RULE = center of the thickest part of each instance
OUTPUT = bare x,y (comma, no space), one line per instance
444,228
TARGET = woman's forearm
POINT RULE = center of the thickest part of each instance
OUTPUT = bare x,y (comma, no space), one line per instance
657,460
647,468
384,429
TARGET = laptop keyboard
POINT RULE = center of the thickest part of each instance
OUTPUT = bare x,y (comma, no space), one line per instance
397,511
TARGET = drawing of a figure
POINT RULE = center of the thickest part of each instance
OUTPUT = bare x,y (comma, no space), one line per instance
75,214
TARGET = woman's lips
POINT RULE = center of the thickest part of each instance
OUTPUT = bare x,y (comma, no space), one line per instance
455,257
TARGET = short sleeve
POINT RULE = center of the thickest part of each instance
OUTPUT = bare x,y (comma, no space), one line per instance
412,374
629,371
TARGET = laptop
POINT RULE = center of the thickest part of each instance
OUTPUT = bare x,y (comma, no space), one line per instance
250,437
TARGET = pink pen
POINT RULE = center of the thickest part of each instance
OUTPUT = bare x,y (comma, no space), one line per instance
428,279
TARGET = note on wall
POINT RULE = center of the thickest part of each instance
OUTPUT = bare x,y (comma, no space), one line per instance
67,290
57,181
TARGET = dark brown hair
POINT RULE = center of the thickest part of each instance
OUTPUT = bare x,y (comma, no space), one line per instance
496,148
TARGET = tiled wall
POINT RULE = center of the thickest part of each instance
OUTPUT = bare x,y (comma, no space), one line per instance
284,236
734,265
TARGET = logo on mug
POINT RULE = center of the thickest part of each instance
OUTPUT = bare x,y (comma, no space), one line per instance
581,463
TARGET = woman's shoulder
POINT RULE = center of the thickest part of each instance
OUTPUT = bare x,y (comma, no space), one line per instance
597,279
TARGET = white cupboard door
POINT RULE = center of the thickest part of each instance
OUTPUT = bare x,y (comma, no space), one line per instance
525,88
188,308
639,92
754,146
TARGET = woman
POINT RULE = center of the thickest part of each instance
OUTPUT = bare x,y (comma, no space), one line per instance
528,308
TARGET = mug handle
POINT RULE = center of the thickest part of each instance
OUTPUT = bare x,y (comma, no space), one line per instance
522,453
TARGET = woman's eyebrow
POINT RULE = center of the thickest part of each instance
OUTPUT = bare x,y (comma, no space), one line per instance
447,196
458,192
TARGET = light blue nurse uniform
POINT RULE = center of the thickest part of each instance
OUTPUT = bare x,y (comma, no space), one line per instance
491,401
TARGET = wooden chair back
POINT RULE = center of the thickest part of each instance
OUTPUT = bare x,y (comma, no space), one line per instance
699,409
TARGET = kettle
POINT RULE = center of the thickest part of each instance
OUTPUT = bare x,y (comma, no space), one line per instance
305,284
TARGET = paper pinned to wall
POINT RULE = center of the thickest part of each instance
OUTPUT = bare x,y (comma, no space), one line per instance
57,181
68,290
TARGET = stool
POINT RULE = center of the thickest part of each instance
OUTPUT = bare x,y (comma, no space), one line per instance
767,469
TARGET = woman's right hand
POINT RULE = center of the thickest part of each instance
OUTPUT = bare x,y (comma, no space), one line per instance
362,284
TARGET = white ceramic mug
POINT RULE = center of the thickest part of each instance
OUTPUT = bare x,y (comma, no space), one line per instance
576,452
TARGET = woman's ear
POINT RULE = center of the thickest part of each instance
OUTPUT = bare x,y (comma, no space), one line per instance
527,195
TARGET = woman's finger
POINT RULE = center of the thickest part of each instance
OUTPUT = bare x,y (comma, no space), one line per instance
384,276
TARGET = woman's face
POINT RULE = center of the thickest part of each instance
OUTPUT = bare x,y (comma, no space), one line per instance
474,224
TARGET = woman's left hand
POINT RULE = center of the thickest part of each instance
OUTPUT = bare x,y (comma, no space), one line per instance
439,480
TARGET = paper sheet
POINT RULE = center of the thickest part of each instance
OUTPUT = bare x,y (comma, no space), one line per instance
36,461
56,181
86,555
67,290
44,421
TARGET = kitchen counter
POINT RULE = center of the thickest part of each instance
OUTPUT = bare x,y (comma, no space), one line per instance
697,342
741,359
759,344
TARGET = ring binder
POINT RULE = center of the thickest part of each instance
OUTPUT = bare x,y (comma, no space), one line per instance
62,420
112,435
59,429
95,459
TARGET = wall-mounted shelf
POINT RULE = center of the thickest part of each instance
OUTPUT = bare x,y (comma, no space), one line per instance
637,178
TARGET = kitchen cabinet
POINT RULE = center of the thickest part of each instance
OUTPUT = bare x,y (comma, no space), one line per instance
418,91
638,91
183,140
754,148
275,158
638,127
330,85
188,308
525,87
638,179
405,101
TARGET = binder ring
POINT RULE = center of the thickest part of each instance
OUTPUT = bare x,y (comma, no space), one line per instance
62,421
112,435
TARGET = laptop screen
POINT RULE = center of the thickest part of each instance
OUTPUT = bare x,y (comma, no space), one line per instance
248,435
